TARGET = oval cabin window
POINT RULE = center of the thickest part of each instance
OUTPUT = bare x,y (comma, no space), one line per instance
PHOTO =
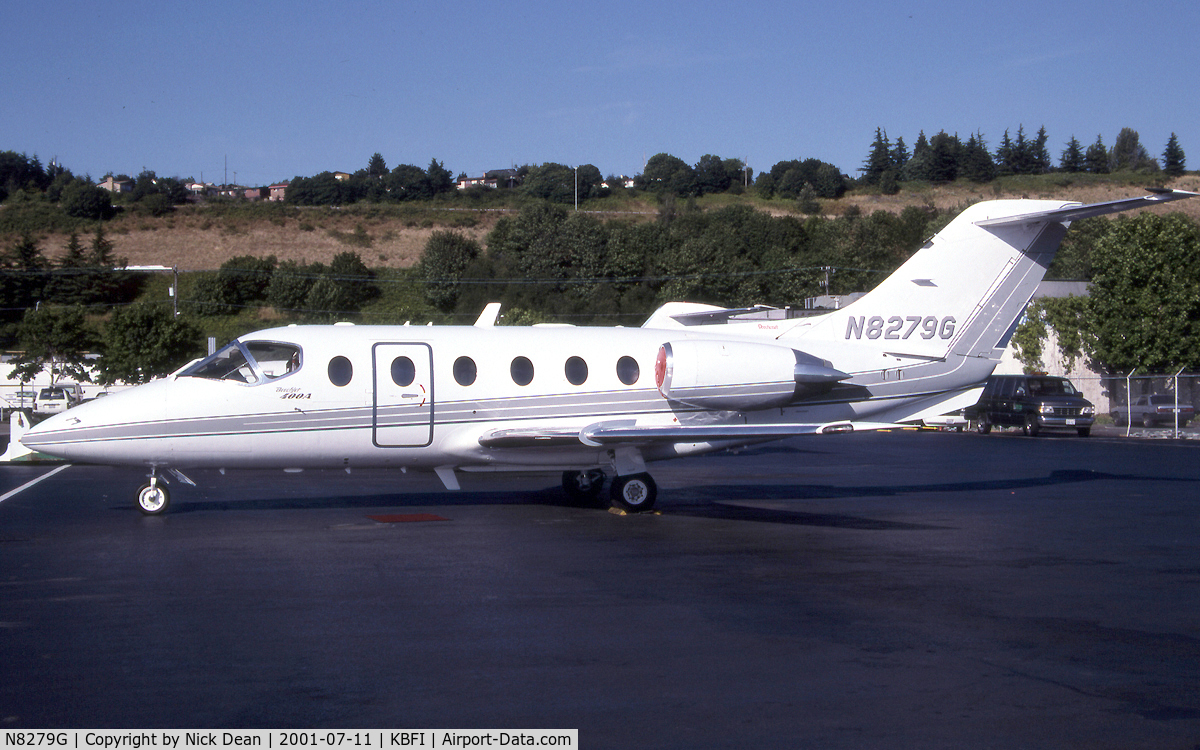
628,371
521,370
576,370
465,371
341,372
404,372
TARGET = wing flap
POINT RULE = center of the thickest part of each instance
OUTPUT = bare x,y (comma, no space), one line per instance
627,432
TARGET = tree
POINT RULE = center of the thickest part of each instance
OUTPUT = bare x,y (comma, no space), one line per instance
377,167
447,255
551,182
1129,155
241,281
439,178
23,277
1072,159
53,339
668,174
1145,304
1173,158
84,201
145,341
69,284
976,163
1096,157
879,160
944,153
711,175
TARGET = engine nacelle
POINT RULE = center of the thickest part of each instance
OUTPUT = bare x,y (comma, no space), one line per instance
737,375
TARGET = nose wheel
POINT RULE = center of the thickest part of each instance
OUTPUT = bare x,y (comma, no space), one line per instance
153,498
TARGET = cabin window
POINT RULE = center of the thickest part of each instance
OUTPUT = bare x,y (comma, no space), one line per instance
250,363
341,372
404,372
521,370
576,370
628,371
465,371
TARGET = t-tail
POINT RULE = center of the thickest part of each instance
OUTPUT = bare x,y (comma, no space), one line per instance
942,321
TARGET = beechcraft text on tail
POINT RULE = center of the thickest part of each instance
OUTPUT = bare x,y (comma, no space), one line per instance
590,402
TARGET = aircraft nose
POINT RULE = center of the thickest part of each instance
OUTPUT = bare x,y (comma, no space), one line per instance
94,431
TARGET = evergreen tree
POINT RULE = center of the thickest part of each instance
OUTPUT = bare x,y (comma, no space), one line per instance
1173,158
1072,157
899,154
1041,155
377,167
945,151
69,284
1005,155
1096,157
879,160
976,163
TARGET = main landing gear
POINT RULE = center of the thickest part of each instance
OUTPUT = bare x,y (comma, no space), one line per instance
634,493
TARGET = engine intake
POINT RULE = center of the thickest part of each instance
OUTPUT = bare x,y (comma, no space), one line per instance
737,375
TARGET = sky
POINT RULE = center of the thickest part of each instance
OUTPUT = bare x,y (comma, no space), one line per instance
260,92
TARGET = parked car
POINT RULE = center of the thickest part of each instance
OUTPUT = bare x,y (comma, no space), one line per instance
1153,410
1033,403
55,399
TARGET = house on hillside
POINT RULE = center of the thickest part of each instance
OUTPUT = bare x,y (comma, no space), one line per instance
278,191
495,178
113,185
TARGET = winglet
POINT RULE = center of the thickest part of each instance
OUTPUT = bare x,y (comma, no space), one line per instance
488,317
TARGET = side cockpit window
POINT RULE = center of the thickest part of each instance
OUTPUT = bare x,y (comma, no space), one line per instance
251,363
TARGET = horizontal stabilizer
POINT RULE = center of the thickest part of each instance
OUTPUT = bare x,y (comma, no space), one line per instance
1079,211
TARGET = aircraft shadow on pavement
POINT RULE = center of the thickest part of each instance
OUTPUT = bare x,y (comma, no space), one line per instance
733,502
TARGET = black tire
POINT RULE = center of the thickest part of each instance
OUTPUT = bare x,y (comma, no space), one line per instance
635,493
1032,428
1116,418
153,500
1147,420
982,425
583,486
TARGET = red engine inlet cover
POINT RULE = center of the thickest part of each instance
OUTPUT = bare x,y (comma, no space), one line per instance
660,366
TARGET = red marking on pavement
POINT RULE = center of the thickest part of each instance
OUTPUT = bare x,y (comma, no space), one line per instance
406,518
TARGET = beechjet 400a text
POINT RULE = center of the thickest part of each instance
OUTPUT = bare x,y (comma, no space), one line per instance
590,401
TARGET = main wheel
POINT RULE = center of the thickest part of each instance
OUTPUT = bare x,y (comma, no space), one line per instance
1032,428
583,486
153,499
983,425
635,493
1147,420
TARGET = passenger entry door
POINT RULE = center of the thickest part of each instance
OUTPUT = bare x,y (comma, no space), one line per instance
402,413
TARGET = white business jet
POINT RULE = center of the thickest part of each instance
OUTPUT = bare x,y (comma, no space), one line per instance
590,401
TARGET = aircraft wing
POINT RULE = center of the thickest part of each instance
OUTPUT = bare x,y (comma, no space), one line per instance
1080,211
627,432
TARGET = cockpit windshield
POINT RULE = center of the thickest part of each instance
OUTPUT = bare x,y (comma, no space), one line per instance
252,362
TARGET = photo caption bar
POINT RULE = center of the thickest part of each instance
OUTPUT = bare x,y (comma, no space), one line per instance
272,739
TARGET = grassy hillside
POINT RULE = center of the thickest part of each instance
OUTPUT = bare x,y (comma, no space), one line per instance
201,237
